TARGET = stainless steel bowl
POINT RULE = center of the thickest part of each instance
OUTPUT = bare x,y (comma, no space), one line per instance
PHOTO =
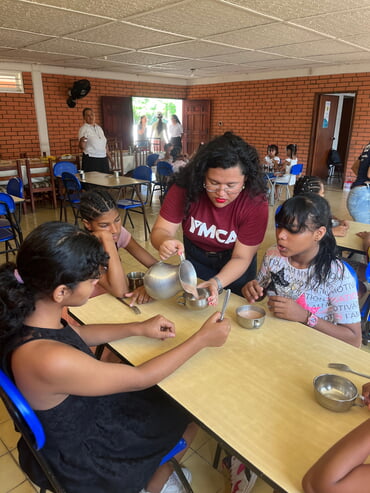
188,300
336,393
161,281
250,316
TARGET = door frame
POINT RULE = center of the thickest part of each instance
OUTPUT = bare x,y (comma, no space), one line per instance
315,122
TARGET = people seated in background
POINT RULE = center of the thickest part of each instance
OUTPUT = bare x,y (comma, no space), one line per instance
166,154
302,276
101,217
314,184
282,170
180,161
271,160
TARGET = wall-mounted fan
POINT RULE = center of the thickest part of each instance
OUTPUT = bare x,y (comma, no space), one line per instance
79,90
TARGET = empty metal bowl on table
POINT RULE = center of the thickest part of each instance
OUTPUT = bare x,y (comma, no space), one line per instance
188,300
135,280
250,316
336,393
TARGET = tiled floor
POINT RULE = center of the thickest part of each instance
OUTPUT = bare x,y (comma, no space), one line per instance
199,458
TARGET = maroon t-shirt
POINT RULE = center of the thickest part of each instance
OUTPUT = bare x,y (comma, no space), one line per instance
216,229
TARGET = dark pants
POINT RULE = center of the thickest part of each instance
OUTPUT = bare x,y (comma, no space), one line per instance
177,146
100,164
208,264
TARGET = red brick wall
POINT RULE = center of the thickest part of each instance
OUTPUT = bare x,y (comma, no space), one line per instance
280,111
18,130
275,111
64,122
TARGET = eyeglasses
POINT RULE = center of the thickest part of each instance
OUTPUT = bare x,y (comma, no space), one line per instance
233,189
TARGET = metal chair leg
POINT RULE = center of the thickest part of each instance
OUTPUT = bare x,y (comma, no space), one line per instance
181,476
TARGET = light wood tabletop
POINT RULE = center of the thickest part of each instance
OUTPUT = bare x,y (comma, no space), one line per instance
17,200
255,393
110,181
351,241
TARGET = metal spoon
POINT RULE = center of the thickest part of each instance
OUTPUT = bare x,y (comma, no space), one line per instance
134,308
341,366
226,301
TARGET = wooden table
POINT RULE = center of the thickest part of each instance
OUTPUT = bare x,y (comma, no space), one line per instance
17,200
110,181
351,241
255,393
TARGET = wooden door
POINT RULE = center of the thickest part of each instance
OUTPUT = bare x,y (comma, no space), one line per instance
196,119
323,135
117,119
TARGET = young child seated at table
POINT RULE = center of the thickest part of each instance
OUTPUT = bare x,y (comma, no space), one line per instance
107,427
314,184
342,468
101,217
271,160
302,276
282,170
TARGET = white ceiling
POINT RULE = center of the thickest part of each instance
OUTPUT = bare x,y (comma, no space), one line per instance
198,38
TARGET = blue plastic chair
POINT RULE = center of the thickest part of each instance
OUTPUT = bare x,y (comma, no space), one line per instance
151,159
133,205
365,312
64,166
59,168
29,425
72,195
10,230
15,188
295,170
164,171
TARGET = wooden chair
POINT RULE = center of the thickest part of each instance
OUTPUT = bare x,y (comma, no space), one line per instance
141,155
40,178
9,169
71,158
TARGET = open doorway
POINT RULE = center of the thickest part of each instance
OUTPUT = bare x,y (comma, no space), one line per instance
331,129
149,107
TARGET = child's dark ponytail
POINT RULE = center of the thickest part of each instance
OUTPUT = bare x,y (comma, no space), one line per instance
16,301
53,254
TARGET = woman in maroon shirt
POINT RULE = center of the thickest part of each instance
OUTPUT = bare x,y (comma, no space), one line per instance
219,200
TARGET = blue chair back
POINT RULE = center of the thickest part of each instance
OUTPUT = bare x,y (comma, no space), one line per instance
24,409
142,173
71,182
15,187
296,169
32,432
353,273
164,168
64,166
151,159
6,204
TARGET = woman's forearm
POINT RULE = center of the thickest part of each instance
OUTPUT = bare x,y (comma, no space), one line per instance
234,268
140,254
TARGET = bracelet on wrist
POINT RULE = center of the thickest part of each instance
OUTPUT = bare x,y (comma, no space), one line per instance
219,285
